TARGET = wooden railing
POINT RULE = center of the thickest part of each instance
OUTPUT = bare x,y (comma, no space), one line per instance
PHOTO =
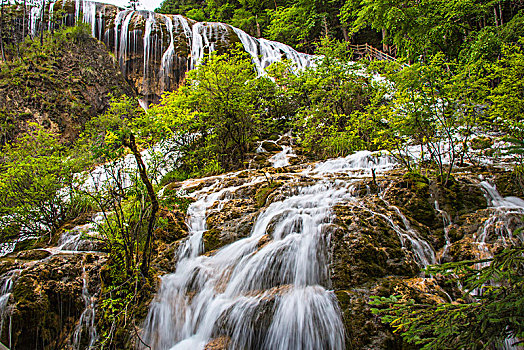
366,51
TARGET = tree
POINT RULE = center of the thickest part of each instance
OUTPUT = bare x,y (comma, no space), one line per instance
216,115
469,322
37,184
328,102
507,98
431,112
128,201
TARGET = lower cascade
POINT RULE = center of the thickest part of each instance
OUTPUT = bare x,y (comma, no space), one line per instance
266,291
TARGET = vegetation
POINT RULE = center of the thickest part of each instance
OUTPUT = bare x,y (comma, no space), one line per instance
470,30
295,22
489,311
37,185
216,114
466,75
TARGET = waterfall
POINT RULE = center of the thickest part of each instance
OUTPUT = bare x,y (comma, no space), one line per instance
205,38
154,51
498,227
281,159
271,295
86,323
446,222
6,285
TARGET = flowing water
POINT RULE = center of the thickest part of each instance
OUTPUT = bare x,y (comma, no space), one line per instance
6,285
86,326
506,213
281,159
446,222
284,281
269,290
160,47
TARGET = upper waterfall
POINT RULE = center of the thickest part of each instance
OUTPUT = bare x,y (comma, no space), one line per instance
155,50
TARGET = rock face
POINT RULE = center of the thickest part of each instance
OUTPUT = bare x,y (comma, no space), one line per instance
60,90
46,301
155,50
289,255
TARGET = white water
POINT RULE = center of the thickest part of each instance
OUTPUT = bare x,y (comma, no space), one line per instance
284,280
446,222
281,159
6,285
269,290
361,162
506,211
86,324
202,38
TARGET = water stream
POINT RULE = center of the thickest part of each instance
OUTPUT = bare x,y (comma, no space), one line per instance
269,290
86,326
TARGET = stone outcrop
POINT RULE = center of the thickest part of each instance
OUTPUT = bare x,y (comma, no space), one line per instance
46,299
155,51
375,249
60,90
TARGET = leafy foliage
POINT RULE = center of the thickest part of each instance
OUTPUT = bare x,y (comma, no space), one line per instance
328,102
37,184
473,322
216,115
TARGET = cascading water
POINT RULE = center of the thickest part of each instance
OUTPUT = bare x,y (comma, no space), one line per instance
446,222
506,211
284,280
6,285
86,324
155,50
268,290
281,159
498,227
205,38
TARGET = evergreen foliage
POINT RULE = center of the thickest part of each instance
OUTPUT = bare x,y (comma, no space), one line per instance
490,310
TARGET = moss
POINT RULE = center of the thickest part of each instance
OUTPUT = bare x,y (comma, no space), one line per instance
510,184
212,241
459,197
481,142
263,192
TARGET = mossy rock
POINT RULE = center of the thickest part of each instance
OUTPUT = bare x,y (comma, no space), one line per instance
510,184
412,196
271,146
263,193
212,240
481,142
34,254
363,329
458,197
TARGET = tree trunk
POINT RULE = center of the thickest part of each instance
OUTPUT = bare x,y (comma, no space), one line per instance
384,45
501,21
347,38
41,26
146,255
23,20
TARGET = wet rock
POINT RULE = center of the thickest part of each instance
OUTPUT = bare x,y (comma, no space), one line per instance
35,254
365,247
271,146
363,329
481,142
220,343
509,184
459,197
47,300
